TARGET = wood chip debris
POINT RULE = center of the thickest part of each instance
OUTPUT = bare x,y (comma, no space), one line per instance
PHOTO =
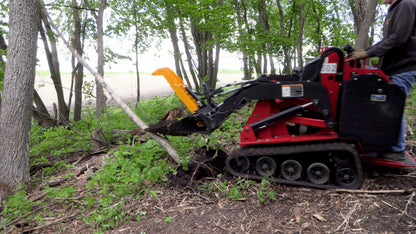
319,217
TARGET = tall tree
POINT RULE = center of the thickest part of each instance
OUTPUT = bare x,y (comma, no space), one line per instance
51,51
285,30
364,12
77,67
18,91
100,96
209,22
139,19
238,5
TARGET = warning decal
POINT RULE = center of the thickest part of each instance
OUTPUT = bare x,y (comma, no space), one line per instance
292,90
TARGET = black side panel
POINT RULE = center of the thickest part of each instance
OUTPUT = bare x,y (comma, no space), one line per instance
371,111
310,69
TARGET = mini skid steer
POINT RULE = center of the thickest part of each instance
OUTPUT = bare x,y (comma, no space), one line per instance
313,128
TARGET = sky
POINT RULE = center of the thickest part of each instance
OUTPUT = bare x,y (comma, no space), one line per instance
148,61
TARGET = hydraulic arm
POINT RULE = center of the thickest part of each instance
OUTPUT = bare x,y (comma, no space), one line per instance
210,115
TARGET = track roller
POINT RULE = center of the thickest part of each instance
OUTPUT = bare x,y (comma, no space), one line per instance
240,164
318,173
265,166
291,170
347,178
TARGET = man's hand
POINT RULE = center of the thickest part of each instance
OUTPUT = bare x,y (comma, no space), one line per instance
359,54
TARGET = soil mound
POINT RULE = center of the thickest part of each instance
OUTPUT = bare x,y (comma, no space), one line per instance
205,163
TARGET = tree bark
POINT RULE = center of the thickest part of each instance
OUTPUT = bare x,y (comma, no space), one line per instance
101,98
302,20
77,68
15,117
318,28
174,39
40,113
191,65
287,67
364,12
136,50
51,52
246,69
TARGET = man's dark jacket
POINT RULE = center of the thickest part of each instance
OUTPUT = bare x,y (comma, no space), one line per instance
397,49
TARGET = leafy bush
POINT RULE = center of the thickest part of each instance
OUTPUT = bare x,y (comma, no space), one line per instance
151,110
58,140
17,205
132,169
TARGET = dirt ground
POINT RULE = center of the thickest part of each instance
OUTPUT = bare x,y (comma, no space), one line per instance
385,204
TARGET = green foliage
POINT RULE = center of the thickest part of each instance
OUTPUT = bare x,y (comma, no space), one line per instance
17,205
131,167
226,189
151,110
129,173
265,192
66,192
2,64
168,219
235,193
3,16
410,111
59,140
140,216
56,168
108,217
229,132
88,88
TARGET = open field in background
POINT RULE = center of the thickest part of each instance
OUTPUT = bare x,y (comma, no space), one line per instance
123,84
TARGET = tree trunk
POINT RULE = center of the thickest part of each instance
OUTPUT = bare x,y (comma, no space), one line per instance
189,57
40,113
101,98
302,19
174,39
216,65
257,64
364,12
272,67
53,62
136,50
318,28
15,117
77,67
287,67
246,70
264,20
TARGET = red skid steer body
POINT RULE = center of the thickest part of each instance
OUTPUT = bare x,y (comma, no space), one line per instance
312,128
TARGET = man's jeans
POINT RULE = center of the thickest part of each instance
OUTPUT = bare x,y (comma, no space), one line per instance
405,80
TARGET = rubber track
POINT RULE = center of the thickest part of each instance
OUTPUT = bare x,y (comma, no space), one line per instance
295,149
